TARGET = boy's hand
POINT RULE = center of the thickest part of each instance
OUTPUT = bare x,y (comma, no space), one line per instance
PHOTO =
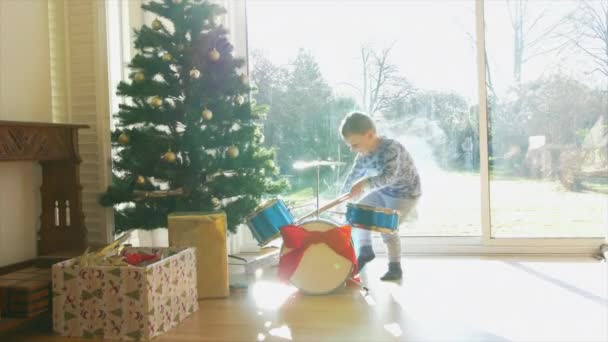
358,188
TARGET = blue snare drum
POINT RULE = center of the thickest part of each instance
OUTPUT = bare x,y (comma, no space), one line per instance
266,221
371,218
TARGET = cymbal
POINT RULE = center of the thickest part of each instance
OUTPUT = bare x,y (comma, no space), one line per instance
299,165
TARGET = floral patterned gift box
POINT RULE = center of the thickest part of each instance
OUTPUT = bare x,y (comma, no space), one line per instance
125,302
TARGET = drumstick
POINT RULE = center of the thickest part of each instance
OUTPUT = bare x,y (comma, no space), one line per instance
325,207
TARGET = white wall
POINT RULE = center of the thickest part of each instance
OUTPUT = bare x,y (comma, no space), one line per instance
24,96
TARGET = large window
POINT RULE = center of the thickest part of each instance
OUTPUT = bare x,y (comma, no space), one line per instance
411,65
539,88
547,71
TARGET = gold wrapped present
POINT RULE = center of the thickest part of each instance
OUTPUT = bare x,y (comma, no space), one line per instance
206,232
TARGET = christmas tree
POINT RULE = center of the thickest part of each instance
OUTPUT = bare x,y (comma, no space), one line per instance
187,137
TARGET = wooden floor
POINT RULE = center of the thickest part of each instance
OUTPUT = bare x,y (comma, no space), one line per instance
441,299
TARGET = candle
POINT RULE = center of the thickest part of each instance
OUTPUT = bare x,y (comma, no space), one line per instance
56,213
67,213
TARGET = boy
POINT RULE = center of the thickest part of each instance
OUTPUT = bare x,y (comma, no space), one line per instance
385,170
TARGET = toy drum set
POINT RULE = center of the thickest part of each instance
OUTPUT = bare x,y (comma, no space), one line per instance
382,220
266,221
320,270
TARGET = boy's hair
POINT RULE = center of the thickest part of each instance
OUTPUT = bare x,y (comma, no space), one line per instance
356,123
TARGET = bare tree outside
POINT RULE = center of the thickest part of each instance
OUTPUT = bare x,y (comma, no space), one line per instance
386,85
382,85
531,31
588,32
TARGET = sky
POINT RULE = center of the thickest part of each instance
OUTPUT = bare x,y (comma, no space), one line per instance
424,35
434,39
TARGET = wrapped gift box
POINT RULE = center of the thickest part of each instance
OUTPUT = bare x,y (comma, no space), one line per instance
125,302
206,232
25,293
28,298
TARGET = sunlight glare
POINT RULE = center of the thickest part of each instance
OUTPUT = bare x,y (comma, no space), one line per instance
271,295
368,298
258,273
394,329
282,332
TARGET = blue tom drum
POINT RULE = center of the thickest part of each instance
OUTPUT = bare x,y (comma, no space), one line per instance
265,223
382,220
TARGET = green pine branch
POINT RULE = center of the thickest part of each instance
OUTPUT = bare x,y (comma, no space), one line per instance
187,123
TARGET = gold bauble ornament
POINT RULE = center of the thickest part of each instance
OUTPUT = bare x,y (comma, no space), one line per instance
123,139
180,47
139,76
170,157
156,24
195,73
215,202
141,180
214,55
156,101
239,100
207,114
233,152
167,57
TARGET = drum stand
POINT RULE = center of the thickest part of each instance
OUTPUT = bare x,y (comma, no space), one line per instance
318,209
318,189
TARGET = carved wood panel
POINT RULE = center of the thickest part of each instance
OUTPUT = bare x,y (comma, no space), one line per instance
35,143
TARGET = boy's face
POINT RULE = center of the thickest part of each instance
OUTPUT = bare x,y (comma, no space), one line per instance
361,143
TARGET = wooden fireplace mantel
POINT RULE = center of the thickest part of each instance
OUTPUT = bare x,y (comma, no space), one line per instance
55,147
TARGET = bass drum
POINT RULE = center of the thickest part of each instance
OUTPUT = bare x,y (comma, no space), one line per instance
321,270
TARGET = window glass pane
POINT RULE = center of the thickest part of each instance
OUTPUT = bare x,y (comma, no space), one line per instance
548,130
411,64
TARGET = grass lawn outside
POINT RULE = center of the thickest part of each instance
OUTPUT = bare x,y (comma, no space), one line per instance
521,208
